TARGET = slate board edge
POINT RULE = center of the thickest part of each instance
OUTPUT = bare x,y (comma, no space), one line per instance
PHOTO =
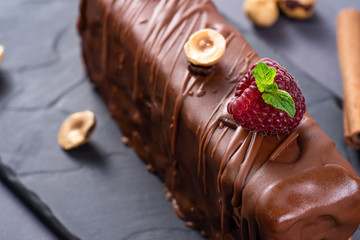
34,203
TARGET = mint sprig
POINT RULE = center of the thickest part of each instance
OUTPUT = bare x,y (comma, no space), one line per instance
280,99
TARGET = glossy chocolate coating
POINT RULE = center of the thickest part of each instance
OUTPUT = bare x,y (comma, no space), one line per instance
222,179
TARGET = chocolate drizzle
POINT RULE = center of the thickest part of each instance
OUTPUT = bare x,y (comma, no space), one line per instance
222,179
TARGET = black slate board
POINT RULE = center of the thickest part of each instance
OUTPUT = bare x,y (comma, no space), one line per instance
101,190
17,221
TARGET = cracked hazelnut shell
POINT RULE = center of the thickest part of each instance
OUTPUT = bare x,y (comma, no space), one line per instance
2,50
77,129
263,13
205,47
297,9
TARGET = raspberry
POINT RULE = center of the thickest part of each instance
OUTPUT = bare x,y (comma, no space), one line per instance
250,110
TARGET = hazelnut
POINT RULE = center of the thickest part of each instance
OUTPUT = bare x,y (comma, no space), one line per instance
205,47
77,129
263,13
298,9
1,52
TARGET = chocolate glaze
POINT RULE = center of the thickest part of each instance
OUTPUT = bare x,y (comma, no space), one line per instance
222,179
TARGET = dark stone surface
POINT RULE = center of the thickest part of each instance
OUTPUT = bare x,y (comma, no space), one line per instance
102,190
17,222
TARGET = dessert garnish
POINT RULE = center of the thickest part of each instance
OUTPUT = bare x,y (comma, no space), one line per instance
205,47
263,13
2,49
77,129
298,9
268,99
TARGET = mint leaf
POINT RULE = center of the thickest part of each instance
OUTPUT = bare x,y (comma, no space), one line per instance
272,88
264,76
280,100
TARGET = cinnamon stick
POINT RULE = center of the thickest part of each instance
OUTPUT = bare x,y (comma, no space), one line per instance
348,40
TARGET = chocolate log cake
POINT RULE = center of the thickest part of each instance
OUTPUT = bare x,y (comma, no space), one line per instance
228,182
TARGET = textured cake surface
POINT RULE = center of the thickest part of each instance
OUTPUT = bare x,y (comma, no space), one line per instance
224,180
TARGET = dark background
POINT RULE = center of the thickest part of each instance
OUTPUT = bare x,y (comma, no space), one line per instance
102,190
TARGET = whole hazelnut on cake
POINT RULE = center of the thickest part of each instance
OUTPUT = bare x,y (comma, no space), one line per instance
205,47
203,50
263,13
297,9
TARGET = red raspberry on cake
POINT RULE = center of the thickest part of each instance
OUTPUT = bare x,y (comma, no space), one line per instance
268,100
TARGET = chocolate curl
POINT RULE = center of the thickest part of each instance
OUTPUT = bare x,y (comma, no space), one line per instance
348,40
